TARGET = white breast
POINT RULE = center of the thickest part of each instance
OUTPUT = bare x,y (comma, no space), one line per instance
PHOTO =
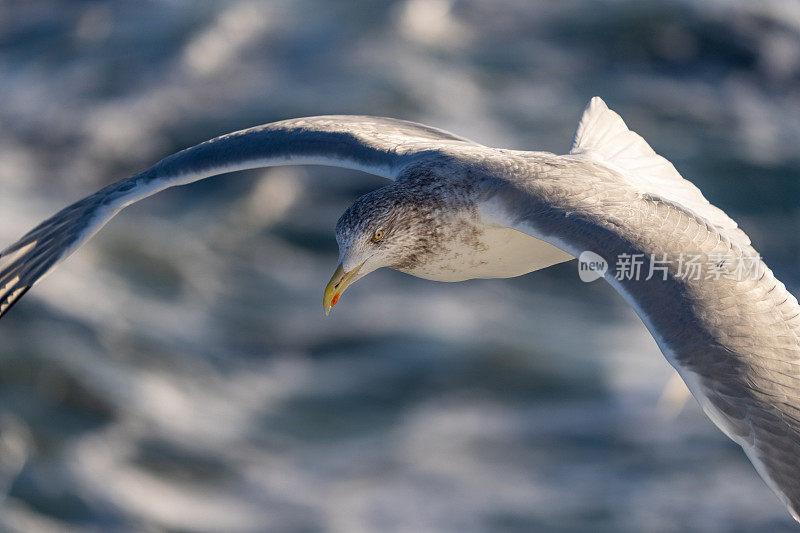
498,253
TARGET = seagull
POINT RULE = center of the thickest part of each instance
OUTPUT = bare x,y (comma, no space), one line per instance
458,210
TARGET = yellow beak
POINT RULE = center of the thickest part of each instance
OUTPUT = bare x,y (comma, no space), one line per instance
337,285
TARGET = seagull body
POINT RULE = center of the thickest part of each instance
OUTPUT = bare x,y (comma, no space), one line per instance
458,210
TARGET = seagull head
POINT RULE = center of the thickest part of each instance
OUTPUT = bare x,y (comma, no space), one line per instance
381,229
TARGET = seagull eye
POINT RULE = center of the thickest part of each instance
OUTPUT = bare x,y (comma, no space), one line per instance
378,235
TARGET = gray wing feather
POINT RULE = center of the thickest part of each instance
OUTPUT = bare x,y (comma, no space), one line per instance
374,144
734,340
381,146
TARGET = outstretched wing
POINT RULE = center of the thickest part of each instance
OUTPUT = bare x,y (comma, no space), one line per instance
381,146
733,335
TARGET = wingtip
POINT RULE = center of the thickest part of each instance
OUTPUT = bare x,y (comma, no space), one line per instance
6,306
596,101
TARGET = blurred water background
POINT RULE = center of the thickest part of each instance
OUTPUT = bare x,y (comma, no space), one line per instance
178,373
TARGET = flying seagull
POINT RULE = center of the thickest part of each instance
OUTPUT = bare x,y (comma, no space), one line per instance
458,210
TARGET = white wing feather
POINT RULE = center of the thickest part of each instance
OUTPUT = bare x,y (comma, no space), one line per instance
603,136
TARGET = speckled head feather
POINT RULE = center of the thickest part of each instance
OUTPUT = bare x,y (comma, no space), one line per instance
411,222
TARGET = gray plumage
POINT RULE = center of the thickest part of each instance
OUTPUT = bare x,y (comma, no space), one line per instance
459,210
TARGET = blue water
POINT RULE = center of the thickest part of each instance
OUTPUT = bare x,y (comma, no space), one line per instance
178,373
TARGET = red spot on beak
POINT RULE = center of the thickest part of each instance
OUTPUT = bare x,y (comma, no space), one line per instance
334,300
